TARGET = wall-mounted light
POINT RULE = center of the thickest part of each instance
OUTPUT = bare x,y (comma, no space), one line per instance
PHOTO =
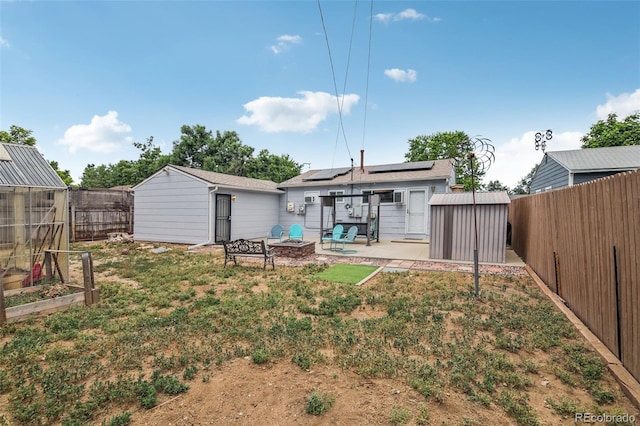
233,198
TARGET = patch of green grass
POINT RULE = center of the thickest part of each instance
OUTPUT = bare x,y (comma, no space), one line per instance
400,415
318,403
345,273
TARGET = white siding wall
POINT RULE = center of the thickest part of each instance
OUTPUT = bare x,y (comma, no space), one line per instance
392,216
253,214
171,208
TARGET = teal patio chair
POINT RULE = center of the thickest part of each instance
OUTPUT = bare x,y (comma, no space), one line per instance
275,234
348,238
336,234
295,232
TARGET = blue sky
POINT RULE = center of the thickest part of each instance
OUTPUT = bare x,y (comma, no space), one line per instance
91,77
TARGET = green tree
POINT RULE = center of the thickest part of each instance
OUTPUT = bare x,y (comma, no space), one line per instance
17,135
524,185
194,145
65,175
496,185
277,168
227,154
442,146
612,132
96,176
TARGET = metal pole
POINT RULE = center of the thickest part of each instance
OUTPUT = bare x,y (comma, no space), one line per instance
475,231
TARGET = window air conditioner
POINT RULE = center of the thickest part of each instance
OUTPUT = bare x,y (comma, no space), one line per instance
398,197
309,199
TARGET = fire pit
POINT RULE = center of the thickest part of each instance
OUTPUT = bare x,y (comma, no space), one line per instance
294,248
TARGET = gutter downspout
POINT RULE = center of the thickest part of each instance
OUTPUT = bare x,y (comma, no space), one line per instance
211,239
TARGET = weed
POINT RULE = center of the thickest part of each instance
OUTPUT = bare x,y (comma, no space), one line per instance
517,406
302,360
123,419
260,356
400,415
190,372
318,403
146,393
565,407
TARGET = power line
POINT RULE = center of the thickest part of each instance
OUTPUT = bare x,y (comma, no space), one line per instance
333,75
366,90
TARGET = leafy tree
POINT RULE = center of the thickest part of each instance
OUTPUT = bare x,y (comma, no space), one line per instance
496,185
17,135
446,145
228,154
611,132
126,172
277,168
194,145
96,176
65,175
524,185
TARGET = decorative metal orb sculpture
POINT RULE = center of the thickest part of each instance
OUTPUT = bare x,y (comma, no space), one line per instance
541,139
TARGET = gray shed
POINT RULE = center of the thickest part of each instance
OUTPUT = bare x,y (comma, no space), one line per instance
452,231
191,206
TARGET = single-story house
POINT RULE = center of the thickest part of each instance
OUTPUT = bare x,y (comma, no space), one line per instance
404,190
559,169
33,216
190,206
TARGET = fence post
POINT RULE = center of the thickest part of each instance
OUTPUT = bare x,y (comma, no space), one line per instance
89,283
3,312
617,284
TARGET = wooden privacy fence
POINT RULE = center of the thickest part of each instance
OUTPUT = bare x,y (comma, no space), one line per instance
584,243
95,213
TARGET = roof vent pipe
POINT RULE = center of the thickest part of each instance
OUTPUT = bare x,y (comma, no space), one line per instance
362,160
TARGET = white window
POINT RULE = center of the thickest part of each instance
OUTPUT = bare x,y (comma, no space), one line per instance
548,188
338,192
386,195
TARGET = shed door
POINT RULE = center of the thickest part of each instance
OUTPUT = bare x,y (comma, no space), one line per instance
416,211
223,217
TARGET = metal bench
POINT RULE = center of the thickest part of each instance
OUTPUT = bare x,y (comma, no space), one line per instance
248,248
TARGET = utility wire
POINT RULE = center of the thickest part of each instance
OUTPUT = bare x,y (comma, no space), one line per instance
366,90
335,85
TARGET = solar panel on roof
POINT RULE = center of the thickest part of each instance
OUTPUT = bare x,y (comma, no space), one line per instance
328,174
402,167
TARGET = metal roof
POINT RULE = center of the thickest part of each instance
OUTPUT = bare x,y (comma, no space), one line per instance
398,167
441,170
26,167
599,159
464,198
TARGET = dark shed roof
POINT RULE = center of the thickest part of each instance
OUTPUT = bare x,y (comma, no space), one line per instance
22,165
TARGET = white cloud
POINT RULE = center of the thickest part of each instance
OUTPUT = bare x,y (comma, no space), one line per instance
407,14
284,43
623,105
104,134
402,76
4,42
275,114
515,159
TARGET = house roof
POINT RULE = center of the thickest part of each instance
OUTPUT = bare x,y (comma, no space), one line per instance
464,198
22,165
598,159
398,172
230,181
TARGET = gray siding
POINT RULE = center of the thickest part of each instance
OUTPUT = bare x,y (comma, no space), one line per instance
586,177
453,232
549,173
252,213
392,217
171,208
